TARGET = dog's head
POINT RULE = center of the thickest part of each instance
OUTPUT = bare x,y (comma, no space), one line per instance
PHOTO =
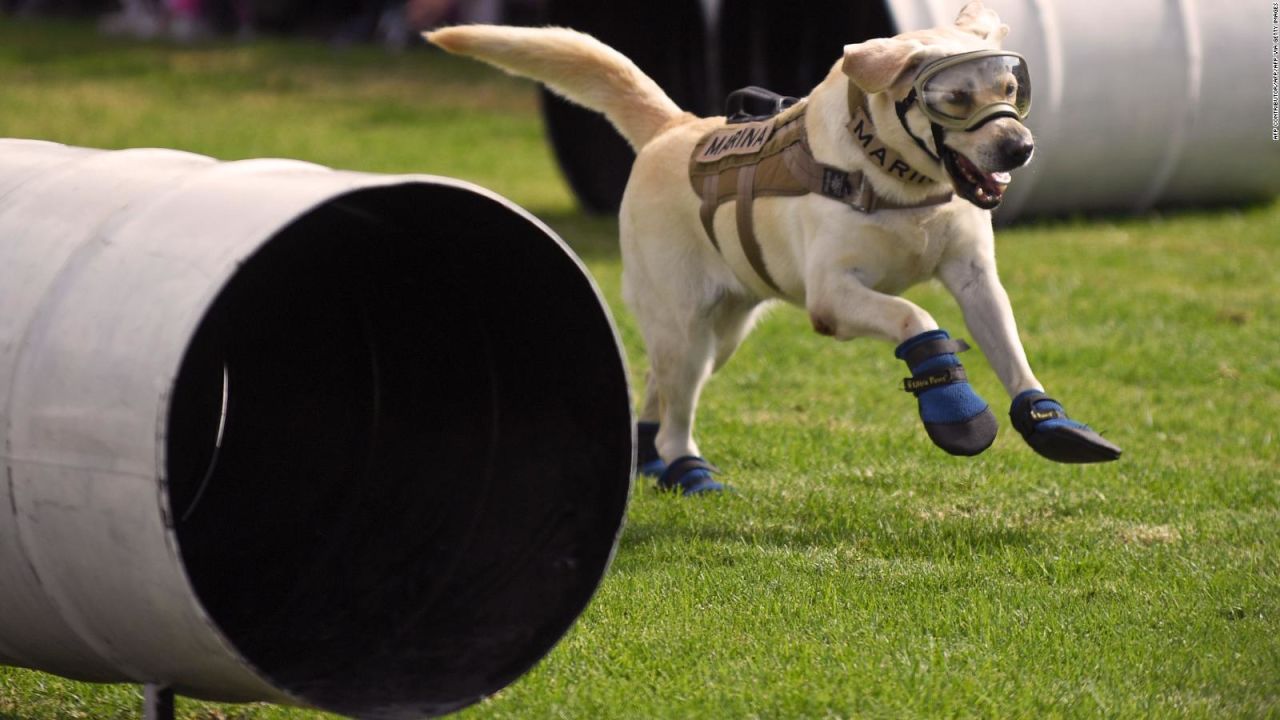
957,96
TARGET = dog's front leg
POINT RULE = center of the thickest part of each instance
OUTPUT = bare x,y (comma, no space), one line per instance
841,304
988,314
971,277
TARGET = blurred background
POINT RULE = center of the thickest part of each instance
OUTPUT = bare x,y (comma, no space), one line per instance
393,23
1183,118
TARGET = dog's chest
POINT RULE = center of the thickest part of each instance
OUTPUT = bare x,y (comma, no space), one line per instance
896,258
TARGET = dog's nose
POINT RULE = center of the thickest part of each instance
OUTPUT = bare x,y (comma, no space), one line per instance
1017,151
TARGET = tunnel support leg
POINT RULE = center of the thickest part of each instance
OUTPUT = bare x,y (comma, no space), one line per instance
157,702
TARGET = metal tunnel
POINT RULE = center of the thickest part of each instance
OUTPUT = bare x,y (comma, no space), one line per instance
1138,104
270,431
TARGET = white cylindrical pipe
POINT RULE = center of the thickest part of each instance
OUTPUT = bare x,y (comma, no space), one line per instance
270,431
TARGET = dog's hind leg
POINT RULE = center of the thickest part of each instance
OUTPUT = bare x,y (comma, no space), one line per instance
681,366
680,375
651,410
731,321
648,461
682,347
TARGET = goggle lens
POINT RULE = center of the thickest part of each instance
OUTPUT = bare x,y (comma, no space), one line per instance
960,91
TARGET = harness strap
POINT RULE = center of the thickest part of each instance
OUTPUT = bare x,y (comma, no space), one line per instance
902,106
1025,417
933,348
851,188
676,471
710,201
948,376
773,158
746,225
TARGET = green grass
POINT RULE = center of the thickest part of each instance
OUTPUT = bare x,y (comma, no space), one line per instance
858,572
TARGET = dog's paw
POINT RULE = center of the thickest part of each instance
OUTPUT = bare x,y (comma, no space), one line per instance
691,475
1045,426
967,437
955,417
652,468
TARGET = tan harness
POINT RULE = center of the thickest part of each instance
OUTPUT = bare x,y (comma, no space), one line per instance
772,157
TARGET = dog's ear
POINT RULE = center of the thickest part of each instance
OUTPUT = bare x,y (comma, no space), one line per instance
877,65
976,18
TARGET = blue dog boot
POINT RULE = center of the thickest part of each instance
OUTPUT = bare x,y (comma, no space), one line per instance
1047,429
691,475
648,461
956,419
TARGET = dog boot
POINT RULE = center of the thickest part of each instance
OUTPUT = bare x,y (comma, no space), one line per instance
691,475
648,462
956,419
1047,429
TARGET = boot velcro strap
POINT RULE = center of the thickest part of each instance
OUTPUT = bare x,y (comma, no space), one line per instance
1025,416
950,376
680,466
933,348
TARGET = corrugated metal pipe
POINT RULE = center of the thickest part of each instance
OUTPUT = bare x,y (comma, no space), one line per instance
274,432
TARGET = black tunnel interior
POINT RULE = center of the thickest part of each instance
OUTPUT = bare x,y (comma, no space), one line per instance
399,451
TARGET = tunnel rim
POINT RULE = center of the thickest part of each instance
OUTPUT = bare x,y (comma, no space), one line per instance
216,290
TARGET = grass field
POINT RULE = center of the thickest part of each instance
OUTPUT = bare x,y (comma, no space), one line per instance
859,571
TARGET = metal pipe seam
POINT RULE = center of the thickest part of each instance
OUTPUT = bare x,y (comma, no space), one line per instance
1189,31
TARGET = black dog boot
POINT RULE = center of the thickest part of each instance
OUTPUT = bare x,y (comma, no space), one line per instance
648,461
956,418
691,475
1047,429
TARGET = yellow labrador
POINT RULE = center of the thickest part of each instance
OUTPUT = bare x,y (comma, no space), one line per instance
884,176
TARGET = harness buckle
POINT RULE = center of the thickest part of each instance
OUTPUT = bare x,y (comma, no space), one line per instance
752,104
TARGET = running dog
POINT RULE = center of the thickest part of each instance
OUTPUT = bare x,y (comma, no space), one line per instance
883,177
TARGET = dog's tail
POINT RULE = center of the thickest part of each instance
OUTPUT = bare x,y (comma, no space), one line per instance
574,65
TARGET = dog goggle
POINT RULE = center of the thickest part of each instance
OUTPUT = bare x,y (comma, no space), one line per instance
961,92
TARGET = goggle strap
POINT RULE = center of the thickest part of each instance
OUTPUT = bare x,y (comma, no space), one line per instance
902,107
1001,113
937,136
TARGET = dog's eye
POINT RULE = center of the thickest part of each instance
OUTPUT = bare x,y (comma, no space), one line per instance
959,97
1010,88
